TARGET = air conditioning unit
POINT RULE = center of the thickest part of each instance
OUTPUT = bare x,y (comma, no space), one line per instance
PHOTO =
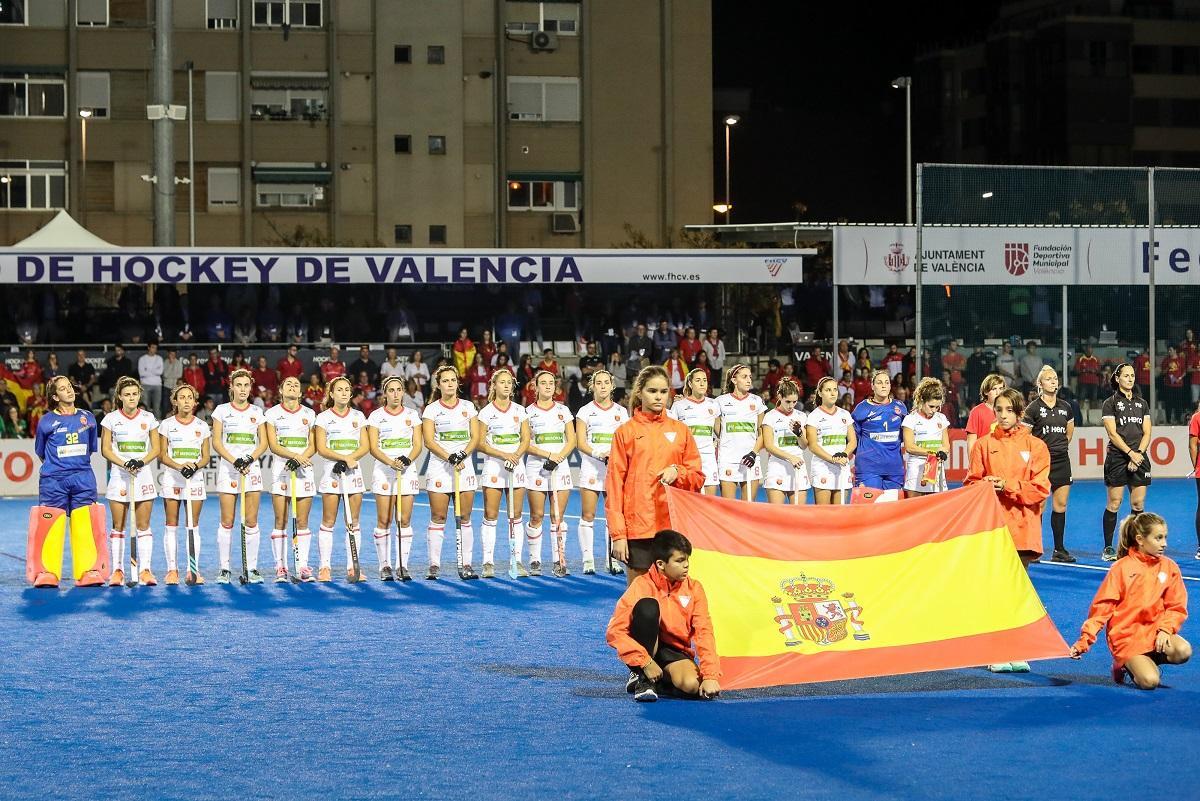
564,223
543,41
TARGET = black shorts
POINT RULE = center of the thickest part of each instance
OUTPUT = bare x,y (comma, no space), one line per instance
1118,474
640,557
1089,392
666,655
1060,473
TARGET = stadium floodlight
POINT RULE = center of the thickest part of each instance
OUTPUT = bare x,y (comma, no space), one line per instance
730,121
85,112
987,194
722,208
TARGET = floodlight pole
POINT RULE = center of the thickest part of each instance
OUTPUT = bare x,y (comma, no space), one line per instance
1153,400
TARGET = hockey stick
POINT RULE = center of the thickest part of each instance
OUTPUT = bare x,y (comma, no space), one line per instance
559,532
349,519
131,525
795,486
512,529
396,511
295,536
457,524
245,577
193,559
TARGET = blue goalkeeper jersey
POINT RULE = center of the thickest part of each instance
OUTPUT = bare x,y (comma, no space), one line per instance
65,442
877,426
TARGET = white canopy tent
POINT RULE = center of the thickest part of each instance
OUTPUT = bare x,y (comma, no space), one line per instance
62,232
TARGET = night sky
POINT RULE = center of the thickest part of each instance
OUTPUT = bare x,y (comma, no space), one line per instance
823,126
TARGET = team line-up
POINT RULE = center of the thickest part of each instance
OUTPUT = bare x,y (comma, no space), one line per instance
741,445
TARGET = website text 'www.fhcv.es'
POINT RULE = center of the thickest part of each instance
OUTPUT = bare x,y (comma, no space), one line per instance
669,276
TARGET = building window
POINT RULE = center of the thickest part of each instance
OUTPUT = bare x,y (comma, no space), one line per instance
541,195
23,95
402,54
224,186
437,234
296,13
543,99
91,13
12,12
402,234
435,54
222,14
92,92
222,93
288,97
402,143
286,195
33,184
560,18
437,145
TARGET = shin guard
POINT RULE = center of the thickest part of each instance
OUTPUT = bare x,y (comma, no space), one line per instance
44,546
89,545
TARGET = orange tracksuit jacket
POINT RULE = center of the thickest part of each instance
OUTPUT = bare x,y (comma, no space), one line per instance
1140,596
636,502
683,619
1022,460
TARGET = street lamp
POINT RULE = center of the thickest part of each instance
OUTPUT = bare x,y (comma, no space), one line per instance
905,82
84,114
730,121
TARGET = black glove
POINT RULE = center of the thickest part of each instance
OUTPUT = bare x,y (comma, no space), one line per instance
404,462
242,462
750,459
457,458
138,464
550,466
340,467
604,460
187,472
841,455
291,465
797,429
132,465
942,456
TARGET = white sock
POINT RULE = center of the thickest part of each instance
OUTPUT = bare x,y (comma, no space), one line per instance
278,545
488,534
325,545
145,549
170,546
534,535
406,537
224,540
587,537
435,535
518,537
116,548
383,546
303,543
252,539
467,536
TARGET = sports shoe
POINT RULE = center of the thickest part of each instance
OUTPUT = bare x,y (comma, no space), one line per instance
325,575
281,575
255,577
559,570
1198,553
432,573
147,578
404,574
589,567
117,578
1118,674
1108,554
172,578
224,576
1063,555
489,570
615,568
643,691
194,579
1019,667
1001,667
632,681
467,573
535,568
46,580
386,574
306,575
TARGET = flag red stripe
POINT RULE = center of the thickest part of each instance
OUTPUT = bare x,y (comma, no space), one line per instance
1038,640
798,533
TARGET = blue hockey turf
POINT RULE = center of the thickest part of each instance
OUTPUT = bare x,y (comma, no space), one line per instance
502,689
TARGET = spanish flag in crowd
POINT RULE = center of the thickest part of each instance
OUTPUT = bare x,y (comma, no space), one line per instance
808,593
10,383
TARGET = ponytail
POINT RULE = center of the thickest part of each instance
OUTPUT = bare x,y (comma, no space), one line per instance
1142,523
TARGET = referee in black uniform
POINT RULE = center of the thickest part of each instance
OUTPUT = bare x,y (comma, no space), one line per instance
1127,420
1053,422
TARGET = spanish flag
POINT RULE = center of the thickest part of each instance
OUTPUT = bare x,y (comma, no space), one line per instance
18,391
816,593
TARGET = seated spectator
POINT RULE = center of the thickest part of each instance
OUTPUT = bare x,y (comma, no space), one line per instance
401,325
861,385
216,372
117,367
366,386
193,373
548,362
52,368
690,345
843,359
392,366
245,331
15,426
207,407
816,367
265,379
414,398
846,384
416,368
702,364
332,367
501,350
893,362
270,322
771,378
106,407
365,363
297,330
35,408
314,393
218,325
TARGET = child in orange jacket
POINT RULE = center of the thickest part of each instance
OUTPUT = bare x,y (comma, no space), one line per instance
1142,604
649,451
660,616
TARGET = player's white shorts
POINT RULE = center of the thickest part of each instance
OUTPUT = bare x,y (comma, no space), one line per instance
592,473
539,480
825,475
121,485
331,484
782,476
227,478
496,477
383,480
913,470
708,466
281,480
174,485
738,473
439,476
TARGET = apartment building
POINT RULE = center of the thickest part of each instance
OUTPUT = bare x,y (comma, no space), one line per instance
458,123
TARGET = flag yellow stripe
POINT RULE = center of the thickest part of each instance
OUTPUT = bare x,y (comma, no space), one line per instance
965,586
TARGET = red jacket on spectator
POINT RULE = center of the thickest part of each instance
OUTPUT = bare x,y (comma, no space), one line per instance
1194,367
29,374
290,368
861,388
771,381
195,377
265,379
1172,368
314,396
331,370
1141,366
815,368
1088,369
688,348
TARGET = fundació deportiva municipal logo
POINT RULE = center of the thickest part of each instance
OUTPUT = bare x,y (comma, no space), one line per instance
1016,257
